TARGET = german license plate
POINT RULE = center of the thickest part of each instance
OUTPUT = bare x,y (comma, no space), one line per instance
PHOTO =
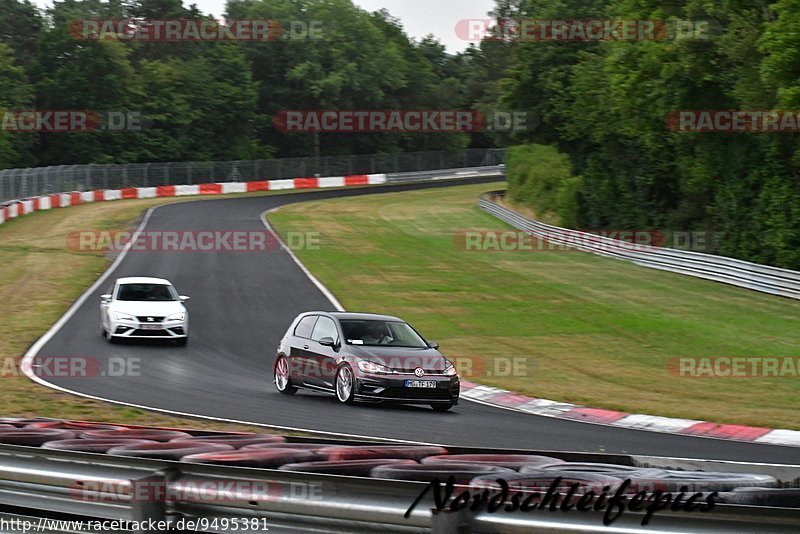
152,327
421,384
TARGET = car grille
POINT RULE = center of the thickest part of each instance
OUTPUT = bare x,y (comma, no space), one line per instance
417,393
150,333
144,319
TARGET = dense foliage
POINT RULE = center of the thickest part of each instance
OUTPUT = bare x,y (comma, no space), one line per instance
216,100
605,105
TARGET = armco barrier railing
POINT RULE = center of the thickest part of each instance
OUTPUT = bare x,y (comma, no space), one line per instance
18,208
40,483
765,279
32,182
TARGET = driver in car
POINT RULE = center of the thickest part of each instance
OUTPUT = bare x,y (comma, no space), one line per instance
377,336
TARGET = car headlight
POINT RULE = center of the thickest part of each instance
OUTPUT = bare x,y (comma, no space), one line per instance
450,369
119,316
177,317
374,368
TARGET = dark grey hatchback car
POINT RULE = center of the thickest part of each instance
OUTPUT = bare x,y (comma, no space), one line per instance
364,357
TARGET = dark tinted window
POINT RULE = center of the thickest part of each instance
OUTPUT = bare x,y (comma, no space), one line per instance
146,293
305,326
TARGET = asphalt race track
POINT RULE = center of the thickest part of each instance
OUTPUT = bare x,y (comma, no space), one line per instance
242,302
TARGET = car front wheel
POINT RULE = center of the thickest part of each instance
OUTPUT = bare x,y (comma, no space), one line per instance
345,384
441,407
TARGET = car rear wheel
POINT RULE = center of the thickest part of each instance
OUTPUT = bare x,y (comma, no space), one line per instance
441,407
283,380
345,384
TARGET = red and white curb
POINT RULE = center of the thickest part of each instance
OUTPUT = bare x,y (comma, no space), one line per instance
17,208
690,427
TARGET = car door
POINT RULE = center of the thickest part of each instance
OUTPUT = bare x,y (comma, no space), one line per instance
324,357
299,361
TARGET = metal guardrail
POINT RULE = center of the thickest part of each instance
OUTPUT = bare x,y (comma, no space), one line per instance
43,483
31,182
763,278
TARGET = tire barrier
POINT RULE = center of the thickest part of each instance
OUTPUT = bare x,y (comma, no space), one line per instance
20,423
263,458
300,446
234,440
463,473
584,467
404,452
33,436
512,461
782,497
543,480
152,434
74,425
93,445
167,451
353,468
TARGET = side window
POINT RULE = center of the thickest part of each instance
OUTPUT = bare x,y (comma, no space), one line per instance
305,326
325,328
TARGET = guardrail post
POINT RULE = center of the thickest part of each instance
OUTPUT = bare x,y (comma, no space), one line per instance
449,522
148,500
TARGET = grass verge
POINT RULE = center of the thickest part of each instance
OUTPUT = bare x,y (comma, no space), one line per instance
592,331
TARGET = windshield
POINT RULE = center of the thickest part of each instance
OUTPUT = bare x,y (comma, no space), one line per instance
146,293
381,333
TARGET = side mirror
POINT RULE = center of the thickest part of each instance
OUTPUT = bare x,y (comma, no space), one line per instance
184,298
105,297
327,342
433,344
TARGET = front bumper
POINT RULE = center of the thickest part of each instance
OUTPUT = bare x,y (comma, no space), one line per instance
139,330
378,388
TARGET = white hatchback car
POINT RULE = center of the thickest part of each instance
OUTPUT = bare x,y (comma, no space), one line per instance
144,308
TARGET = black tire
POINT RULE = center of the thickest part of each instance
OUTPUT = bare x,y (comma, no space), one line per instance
111,339
353,468
181,341
442,407
782,497
33,437
236,441
463,473
168,451
512,461
375,452
283,383
263,458
152,434
97,446
541,481
345,393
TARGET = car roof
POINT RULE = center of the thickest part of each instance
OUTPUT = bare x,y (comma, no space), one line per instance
143,280
364,316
